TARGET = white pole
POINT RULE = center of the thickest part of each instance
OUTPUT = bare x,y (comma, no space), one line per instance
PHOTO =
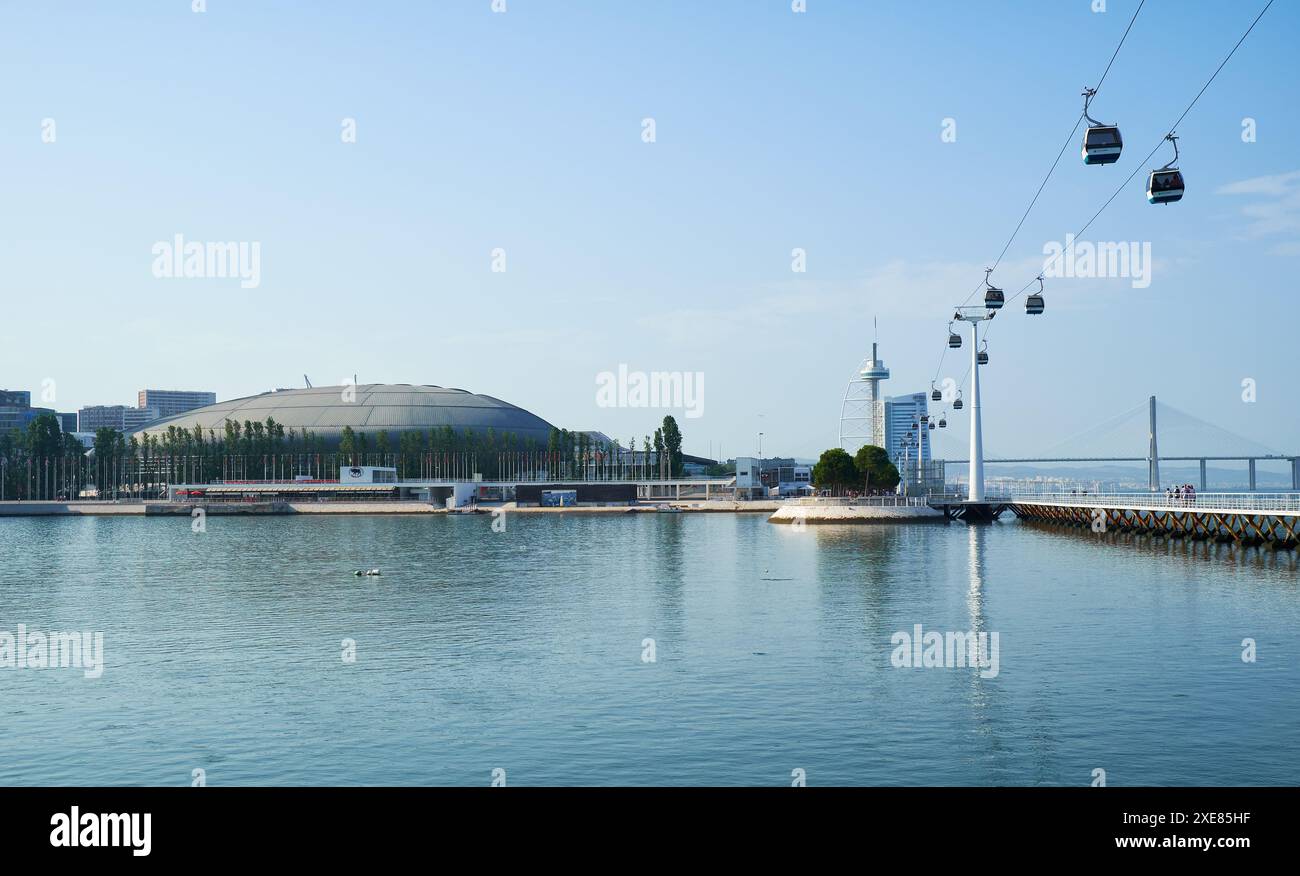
976,492
921,427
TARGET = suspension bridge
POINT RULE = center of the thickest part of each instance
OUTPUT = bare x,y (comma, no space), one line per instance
1249,518
1170,435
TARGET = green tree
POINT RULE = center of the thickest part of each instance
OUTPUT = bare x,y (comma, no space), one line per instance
72,446
43,437
875,471
348,445
408,448
835,471
106,442
673,445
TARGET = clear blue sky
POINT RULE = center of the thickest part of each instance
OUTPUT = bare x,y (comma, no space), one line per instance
522,130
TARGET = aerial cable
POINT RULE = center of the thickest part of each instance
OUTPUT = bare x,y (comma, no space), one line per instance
1089,93
1163,139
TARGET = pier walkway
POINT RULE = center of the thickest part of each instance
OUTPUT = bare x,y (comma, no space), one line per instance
1245,518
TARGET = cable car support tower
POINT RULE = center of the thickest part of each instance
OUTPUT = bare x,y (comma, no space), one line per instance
976,505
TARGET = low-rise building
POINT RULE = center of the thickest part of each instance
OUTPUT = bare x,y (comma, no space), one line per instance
749,478
119,417
170,402
793,480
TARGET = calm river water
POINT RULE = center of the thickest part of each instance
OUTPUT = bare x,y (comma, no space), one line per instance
526,651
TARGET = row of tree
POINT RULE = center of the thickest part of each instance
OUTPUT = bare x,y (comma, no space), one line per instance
45,463
869,471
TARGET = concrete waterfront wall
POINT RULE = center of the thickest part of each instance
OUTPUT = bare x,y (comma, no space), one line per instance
365,508
280,506
855,514
216,509
46,509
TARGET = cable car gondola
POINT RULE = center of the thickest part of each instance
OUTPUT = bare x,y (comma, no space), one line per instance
982,357
1164,186
931,425
956,405
943,422
1034,304
993,297
1102,143
954,339
935,395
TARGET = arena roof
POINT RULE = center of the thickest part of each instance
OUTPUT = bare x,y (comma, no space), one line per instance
368,408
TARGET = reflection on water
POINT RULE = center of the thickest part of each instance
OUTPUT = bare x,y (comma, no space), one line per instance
983,693
523,650
1181,550
975,595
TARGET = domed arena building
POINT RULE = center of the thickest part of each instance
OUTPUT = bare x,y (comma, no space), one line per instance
368,408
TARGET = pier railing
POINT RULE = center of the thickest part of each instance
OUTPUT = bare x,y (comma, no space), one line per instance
955,497
1264,502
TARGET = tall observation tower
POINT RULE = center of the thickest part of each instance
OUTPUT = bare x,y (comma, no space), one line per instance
862,418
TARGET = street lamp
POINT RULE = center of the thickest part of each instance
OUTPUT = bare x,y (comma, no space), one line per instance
922,427
906,444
